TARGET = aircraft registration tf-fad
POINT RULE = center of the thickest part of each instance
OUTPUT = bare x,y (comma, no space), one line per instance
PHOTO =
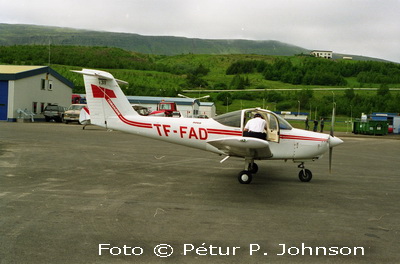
222,135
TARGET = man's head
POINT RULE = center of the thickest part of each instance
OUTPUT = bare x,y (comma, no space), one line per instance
257,115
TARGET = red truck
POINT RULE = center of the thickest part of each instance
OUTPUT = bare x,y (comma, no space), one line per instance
167,109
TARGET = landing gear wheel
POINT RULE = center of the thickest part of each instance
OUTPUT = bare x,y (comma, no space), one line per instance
253,168
305,175
245,177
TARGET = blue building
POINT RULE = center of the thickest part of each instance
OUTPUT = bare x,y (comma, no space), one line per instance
31,88
186,106
393,120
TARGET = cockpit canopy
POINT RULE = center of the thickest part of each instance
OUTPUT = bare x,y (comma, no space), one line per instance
240,117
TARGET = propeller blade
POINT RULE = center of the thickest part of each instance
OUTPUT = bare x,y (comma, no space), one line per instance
330,138
330,159
333,119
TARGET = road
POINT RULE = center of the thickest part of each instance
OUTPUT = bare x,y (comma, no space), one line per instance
69,195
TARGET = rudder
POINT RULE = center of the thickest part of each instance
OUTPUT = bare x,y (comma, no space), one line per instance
104,97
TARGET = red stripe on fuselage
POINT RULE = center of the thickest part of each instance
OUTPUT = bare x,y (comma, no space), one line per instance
224,132
302,138
123,119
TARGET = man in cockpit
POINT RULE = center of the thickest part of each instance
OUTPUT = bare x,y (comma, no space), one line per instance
255,127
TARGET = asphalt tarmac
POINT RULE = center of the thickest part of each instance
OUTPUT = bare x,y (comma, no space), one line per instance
69,195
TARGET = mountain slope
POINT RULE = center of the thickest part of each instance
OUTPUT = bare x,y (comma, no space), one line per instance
162,45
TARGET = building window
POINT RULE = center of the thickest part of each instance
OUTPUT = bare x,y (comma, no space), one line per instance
50,88
41,107
43,84
34,107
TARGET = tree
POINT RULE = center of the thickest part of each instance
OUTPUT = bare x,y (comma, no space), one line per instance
194,81
349,94
383,90
238,82
201,71
305,96
273,96
244,66
225,98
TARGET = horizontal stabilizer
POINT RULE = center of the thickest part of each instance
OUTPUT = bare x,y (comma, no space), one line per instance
100,76
243,147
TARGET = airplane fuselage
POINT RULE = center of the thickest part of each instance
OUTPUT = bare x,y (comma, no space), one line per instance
222,135
195,132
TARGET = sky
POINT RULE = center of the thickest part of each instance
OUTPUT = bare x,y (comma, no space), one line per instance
359,27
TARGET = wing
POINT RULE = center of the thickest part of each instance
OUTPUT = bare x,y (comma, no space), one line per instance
243,147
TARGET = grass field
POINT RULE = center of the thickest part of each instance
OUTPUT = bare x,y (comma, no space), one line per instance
342,124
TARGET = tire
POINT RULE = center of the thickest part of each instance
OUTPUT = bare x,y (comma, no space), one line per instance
254,168
305,175
245,177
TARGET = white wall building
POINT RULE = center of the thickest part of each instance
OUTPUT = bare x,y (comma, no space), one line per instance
186,106
322,54
207,109
31,88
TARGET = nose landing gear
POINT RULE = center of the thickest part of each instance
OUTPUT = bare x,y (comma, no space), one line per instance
305,175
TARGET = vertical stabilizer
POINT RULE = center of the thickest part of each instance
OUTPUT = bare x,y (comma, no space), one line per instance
104,97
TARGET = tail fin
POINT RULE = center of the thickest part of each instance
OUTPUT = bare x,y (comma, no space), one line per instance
104,97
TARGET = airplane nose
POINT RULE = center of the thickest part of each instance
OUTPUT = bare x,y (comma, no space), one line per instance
334,141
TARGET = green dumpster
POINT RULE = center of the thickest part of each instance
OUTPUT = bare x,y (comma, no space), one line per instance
379,128
371,127
357,127
364,128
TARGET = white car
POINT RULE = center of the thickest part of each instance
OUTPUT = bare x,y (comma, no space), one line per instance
72,114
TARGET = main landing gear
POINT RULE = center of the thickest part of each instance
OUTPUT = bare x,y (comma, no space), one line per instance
305,175
245,176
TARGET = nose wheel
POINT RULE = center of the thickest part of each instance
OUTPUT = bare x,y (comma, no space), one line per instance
305,175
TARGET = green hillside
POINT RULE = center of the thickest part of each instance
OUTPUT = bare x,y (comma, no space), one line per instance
11,34
256,79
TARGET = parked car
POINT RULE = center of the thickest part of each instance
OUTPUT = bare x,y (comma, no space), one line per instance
54,112
72,114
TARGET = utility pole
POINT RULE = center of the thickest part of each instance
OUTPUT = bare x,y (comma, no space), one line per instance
49,53
298,111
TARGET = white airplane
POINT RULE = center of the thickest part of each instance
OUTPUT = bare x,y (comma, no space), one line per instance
222,135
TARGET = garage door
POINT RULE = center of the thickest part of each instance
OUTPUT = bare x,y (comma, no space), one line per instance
3,99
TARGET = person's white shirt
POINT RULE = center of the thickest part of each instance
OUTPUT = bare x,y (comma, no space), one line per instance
256,124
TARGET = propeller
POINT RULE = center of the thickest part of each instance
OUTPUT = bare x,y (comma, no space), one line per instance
331,137
333,141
